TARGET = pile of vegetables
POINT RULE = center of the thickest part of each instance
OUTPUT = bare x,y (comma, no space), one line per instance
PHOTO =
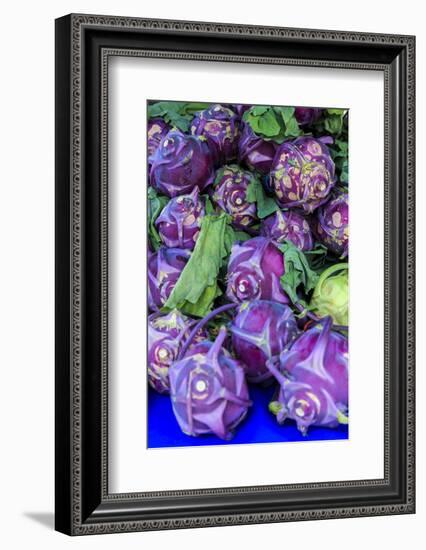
248,248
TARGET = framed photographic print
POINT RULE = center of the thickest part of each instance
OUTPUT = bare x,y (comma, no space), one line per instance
234,274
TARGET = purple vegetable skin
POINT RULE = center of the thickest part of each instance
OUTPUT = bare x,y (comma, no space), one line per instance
306,116
157,130
180,163
240,109
313,378
230,194
208,390
290,226
302,174
166,335
260,331
179,223
255,152
254,272
220,127
332,227
164,269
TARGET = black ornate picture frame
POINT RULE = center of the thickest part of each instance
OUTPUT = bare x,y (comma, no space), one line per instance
84,43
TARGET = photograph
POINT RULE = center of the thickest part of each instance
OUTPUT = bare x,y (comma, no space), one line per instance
234,323
247,273
209,336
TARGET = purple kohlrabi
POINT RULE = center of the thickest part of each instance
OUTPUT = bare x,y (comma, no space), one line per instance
240,108
255,152
332,224
261,330
306,116
179,223
208,390
230,194
254,271
164,269
290,226
302,174
220,127
157,130
180,163
313,379
166,335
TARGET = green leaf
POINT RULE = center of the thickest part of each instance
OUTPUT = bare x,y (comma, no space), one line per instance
204,302
344,174
266,124
229,239
176,113
333,124
162,108
339,112
287,113
192,108
258,110
232,236
208,204
339,153
156,203
297,272
263,121
342,148
291,126
197,288
177,120
273,123
334,121
241,236
317,257
265,205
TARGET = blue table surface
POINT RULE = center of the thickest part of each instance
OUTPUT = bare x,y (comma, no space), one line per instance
259,426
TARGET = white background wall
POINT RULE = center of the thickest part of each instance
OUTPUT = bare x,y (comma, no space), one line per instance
27,263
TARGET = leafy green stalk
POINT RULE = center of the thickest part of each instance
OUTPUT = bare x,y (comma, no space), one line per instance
265,205
273,123
317,257
176,113
197,286
332,121
339,153
297,273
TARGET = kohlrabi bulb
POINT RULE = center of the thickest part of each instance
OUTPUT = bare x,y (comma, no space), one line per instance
288,226
332,224
208,390
166,335
261,330
313,379
254,270
331,294
219,126
230,194
157,130
254,151
164,269
302,174
179,223
180,163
